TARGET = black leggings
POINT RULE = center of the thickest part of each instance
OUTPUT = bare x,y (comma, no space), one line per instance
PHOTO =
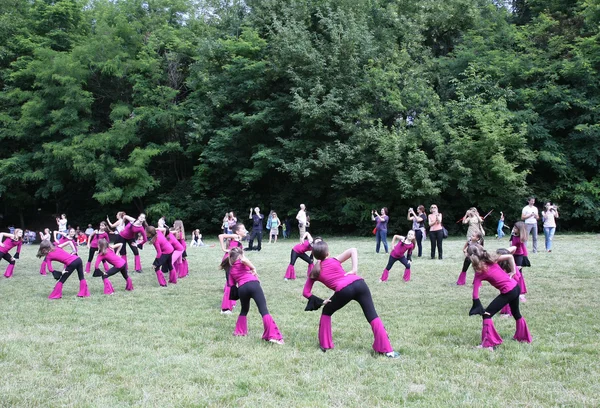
252,290
510,298
166,262
392,261
76,264
91,254
7,257
357,290
466,264
419,238
436,238
114,270
123,251
258,235
295,255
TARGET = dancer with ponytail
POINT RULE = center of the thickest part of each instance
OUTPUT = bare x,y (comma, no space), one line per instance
108,254
66,240
10,241
128,235
242,273
179,233
71,263
233,241
92,244
299,251
347,286
518,239
475,238
177,253
487,269
405,246
164,255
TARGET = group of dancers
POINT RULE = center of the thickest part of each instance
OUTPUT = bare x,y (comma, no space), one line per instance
503,270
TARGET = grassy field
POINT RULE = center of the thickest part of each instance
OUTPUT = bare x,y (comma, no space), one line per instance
163,347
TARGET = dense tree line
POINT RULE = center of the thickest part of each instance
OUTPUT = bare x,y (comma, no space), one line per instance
190,108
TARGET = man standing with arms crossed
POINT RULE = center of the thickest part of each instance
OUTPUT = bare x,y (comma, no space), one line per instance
530,216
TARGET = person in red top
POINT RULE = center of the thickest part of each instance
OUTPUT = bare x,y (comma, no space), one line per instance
299,251
487,269
243,274
107,253
71,262
347,286
405,246
164,253
11,241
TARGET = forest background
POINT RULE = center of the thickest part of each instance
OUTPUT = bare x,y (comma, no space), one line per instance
191,108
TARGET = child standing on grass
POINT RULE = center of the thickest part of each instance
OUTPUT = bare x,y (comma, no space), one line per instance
243,274
233,241
347,286
500,229
164,254
299,251
107,253
405,246
12,240
71,262
487,269
518,239
476,238
275,224
177,253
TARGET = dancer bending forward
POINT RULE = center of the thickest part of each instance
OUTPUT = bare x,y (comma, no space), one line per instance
347,286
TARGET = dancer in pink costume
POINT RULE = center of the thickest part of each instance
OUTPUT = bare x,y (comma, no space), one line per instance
243,276
347,286
228,242
476,238
176,255
71,263
107,254
299,251
487,269
164,254
65,241
405,246
10,241
518,239
179,233
128,235
92,243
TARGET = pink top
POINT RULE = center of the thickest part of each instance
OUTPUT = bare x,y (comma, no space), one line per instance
9,244
521,246
432,218
401,248
60,255
232,244
303,247
497,277
130,232
332,276
240,274
111,258
174,242
161,245
97,237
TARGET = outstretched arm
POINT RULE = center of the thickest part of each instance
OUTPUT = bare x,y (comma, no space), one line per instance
352,254
223,237
396,239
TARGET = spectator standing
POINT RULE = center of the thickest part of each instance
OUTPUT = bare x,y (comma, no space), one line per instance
530,216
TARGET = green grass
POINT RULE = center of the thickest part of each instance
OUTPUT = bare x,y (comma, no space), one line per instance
162,347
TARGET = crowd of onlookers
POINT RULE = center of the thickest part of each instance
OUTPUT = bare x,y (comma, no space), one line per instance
29,236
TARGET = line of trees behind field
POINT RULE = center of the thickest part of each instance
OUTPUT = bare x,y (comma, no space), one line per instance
191,108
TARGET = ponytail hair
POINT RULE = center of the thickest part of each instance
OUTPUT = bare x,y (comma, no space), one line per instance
523,235
320,252
45,248
150,232
480,258
505,265
234,254
102,246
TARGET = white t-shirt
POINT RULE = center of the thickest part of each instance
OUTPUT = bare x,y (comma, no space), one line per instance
62,224
527,211
301,217
549,219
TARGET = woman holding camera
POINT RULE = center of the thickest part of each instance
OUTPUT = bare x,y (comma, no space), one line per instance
381,228
475,222
418,226
549,216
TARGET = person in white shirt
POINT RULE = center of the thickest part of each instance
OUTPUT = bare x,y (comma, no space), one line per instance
549,216
531,216
90,230
301,217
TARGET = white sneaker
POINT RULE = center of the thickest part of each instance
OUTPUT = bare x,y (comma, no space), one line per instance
522,298
392,354
280,342
226,312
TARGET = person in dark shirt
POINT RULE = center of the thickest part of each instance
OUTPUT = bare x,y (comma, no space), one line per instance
257,229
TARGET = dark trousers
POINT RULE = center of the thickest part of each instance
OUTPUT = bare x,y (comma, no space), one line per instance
114,270
436,238
419,238
75,265
510,298
258,235
123,250
392,261
252,290
358,291
466,264
91,254
295,255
